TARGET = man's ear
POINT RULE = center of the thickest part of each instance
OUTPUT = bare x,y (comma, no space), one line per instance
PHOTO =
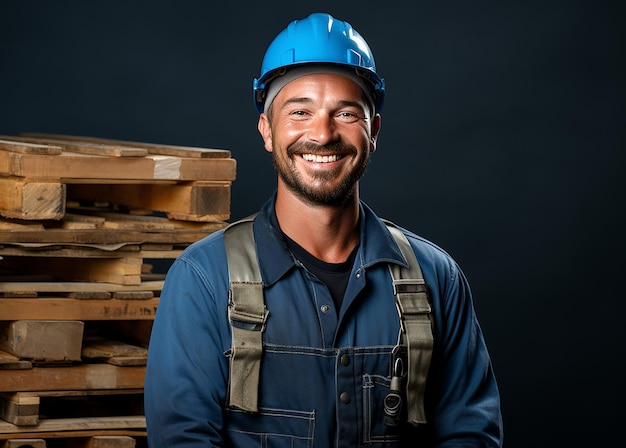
266,132
376,121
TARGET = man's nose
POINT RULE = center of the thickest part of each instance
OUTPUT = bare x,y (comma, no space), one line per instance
323,129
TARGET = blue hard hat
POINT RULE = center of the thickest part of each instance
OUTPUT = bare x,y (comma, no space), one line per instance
318,39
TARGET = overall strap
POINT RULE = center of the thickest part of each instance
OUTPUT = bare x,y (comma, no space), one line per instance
415,325
247,314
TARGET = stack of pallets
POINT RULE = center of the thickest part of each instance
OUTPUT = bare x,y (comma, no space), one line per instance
83,224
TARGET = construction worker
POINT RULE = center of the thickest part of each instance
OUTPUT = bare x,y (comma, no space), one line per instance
315,323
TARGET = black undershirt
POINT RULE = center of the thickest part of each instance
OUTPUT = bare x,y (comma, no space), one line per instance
334,275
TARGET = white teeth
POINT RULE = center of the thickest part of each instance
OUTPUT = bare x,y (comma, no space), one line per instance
320,159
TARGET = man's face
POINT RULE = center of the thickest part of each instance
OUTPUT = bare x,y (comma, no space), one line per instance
321,136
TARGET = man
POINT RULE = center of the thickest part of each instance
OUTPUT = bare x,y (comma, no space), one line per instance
334,366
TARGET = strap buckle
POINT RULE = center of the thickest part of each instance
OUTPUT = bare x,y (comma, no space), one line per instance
243,313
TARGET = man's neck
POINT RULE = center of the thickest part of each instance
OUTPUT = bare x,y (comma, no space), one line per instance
326,232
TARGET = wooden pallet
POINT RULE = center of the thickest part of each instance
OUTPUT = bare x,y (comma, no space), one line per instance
65,404
41,174
95,246
82,222
34,199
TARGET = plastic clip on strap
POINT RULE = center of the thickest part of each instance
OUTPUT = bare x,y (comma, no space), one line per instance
247,314
393,400
416,330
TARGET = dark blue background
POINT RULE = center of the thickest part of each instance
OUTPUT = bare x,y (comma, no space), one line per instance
502,141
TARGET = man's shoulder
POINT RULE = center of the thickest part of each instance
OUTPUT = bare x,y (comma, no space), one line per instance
208,248
428,253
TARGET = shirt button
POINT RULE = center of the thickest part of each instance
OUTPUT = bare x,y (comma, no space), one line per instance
325,308
345,360
345,397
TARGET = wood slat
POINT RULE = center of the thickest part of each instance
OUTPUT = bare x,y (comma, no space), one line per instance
124,271
82,147
29,148
109,237
153,148
23,443
79,427
80,377
61,287
114,352
129,250
9,361
53,308
83,166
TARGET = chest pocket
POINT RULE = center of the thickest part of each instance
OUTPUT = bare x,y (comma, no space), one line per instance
248,315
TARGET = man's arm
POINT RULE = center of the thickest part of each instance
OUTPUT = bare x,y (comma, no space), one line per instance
465,398
187,371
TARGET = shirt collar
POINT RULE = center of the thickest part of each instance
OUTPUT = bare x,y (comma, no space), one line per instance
376,243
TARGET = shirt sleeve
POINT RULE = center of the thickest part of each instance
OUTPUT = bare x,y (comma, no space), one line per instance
464,395
187,370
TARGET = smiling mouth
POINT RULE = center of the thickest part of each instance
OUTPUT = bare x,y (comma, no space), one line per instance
321,159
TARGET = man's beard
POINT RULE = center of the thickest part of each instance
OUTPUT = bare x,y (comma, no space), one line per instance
333,196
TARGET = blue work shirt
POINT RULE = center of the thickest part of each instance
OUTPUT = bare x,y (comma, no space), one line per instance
324,372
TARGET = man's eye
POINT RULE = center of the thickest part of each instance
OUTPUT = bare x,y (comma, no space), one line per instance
349,117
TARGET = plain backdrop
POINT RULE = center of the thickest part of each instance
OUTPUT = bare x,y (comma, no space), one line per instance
502,141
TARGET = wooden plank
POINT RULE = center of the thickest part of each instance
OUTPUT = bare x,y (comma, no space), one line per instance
82,147
79,427
9,361
129,250
71,309
67,166
23,443
77,221
191,170
11,226
186,217
28,148
62,287
151,223
88,295
124,271
70,436
31,200
133,295
79,377
114,352
107,236
42,340
195,198
153,148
